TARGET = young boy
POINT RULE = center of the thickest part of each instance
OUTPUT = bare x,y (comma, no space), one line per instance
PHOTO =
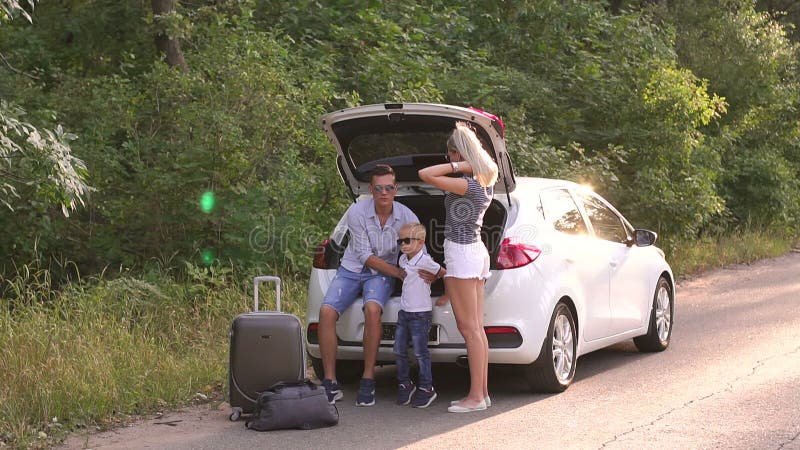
414,318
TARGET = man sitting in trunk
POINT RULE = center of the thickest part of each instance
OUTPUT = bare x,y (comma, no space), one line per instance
367,269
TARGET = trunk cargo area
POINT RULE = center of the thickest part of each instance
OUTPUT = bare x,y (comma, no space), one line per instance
431,213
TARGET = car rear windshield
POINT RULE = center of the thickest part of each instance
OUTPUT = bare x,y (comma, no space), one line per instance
407,142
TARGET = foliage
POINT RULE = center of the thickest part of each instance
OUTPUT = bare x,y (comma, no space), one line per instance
255,146
115,346
38,162
754,66
10,8
682,112
786,12
744,246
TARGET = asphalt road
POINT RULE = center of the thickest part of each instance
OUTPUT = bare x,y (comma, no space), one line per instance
730,379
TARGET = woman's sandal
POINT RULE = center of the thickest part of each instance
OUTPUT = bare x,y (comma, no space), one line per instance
486,400
463,409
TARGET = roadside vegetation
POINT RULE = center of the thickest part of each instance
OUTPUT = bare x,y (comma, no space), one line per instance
106,348
154,156
739,247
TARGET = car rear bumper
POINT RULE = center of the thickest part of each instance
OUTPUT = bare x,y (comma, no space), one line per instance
438,354
516,321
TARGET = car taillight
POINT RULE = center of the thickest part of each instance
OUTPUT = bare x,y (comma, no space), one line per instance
501,330
503,337
513,255
311,335
320,262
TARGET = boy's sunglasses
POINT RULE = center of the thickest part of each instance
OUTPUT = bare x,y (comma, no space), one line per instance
381,188
402,241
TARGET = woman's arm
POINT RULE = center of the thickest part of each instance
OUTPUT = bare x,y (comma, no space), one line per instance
437,176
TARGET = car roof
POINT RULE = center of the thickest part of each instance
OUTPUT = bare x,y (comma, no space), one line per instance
533,183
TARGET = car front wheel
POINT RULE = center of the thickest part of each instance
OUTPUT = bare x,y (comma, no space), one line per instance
554,370
659,329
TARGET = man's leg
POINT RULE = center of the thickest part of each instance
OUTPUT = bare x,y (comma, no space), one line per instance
372,337
327,339
377,290
340,295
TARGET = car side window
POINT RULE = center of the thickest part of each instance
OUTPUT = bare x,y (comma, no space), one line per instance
562,213
607,224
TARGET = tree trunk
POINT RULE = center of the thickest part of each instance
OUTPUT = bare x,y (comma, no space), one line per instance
166,45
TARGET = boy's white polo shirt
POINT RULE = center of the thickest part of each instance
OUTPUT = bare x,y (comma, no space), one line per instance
416,296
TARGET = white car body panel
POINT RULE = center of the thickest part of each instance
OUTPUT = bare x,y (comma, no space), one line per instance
525,297
608,285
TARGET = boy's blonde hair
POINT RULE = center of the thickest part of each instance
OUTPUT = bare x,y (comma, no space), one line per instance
466,142
414,229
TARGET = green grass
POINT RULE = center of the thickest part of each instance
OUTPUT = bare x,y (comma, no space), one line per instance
102,349
690,258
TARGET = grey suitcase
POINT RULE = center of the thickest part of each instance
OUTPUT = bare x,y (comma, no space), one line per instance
266,347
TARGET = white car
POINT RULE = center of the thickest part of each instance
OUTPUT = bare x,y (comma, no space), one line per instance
569,274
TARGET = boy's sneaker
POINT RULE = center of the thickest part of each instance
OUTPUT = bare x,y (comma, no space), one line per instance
333,390
366,392
423,397
404,393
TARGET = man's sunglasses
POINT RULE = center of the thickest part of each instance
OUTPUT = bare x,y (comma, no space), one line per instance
402,241
387,188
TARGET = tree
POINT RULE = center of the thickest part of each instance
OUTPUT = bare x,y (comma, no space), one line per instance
37,160
9,8
166,41
787,12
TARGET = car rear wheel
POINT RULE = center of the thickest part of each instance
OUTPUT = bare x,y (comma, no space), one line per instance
554,370
659,329
346,371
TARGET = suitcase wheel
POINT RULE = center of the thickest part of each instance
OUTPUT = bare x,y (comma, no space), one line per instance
235,414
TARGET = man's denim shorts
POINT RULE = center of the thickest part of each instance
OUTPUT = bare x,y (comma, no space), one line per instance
346,287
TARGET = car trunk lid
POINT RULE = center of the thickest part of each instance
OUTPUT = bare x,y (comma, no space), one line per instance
408,137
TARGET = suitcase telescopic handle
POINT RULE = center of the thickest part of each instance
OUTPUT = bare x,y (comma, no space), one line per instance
258,280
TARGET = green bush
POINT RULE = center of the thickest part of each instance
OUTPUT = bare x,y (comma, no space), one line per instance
617,99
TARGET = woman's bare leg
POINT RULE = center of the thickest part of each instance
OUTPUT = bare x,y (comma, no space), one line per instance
465,307
479,294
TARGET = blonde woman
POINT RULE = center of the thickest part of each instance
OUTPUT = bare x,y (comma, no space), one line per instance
466,199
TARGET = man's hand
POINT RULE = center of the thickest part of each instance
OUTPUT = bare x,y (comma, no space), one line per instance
430,277
375,263
441,301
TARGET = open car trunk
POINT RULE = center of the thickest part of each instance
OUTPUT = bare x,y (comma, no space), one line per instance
408,137
431,213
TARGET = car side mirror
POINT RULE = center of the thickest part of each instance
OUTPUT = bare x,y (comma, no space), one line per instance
644,238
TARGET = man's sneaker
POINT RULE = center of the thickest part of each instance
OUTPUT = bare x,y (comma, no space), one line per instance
366,392
333,390
404,393
423,397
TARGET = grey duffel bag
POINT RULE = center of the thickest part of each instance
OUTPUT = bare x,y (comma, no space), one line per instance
301,405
